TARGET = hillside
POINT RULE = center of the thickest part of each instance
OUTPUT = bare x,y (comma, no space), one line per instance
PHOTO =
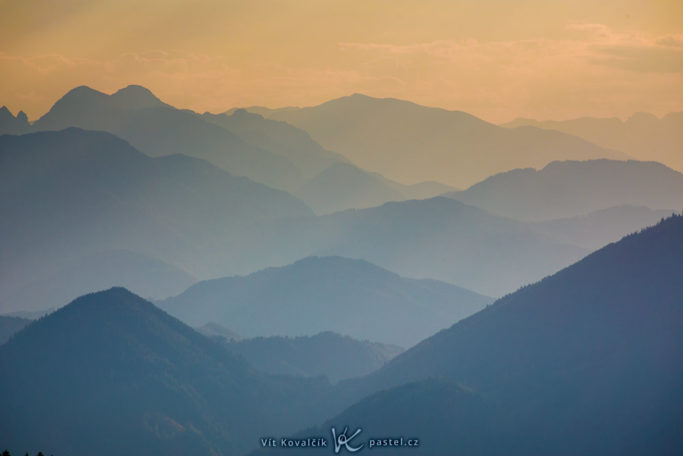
110,372
596,347
313,356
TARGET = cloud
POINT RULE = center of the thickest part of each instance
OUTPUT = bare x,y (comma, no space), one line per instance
596,44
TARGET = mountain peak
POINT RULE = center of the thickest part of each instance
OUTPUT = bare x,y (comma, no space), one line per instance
135,97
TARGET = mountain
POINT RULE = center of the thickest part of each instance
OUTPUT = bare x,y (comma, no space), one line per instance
344,186
438,238
157,129
219,331
278,137
172,212
110,372
312,356
350,297
576,188
409,143
586,361
425,415
330,183
599,228
11,325
642,136
9,124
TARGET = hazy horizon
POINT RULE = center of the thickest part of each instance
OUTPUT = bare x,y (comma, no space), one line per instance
528,59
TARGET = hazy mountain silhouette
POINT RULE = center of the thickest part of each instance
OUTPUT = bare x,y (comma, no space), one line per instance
344,186
74,194
110,373
331,183
599,228
643,135
89,272
9,124
219,331
437,238
571,188
586,361
313,356
278,137
157,129
351,297
410,143
11,325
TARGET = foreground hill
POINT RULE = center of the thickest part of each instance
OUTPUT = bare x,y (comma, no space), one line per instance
643,135
110,373
351,297
410,143
573,188
312,356
587,361
82,199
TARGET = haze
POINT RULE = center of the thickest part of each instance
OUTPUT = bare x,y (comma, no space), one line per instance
496,59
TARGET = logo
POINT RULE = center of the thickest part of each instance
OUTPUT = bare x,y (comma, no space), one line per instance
344,441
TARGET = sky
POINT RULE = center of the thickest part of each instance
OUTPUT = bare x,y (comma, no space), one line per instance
496,59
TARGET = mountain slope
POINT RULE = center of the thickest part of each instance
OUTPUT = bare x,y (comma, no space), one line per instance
110,372
157,129
344,186
587,361
410,143
642,136
11,325
172,210
599,228
330,182
278,137
351,297
571,188
312,356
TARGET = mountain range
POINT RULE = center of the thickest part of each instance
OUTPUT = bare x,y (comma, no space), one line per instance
586,361
350,297
439,238
331,183
576,188
596,346
410,143
643,135
136,115
85,204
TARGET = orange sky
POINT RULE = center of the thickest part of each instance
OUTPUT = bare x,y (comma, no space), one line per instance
497,59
